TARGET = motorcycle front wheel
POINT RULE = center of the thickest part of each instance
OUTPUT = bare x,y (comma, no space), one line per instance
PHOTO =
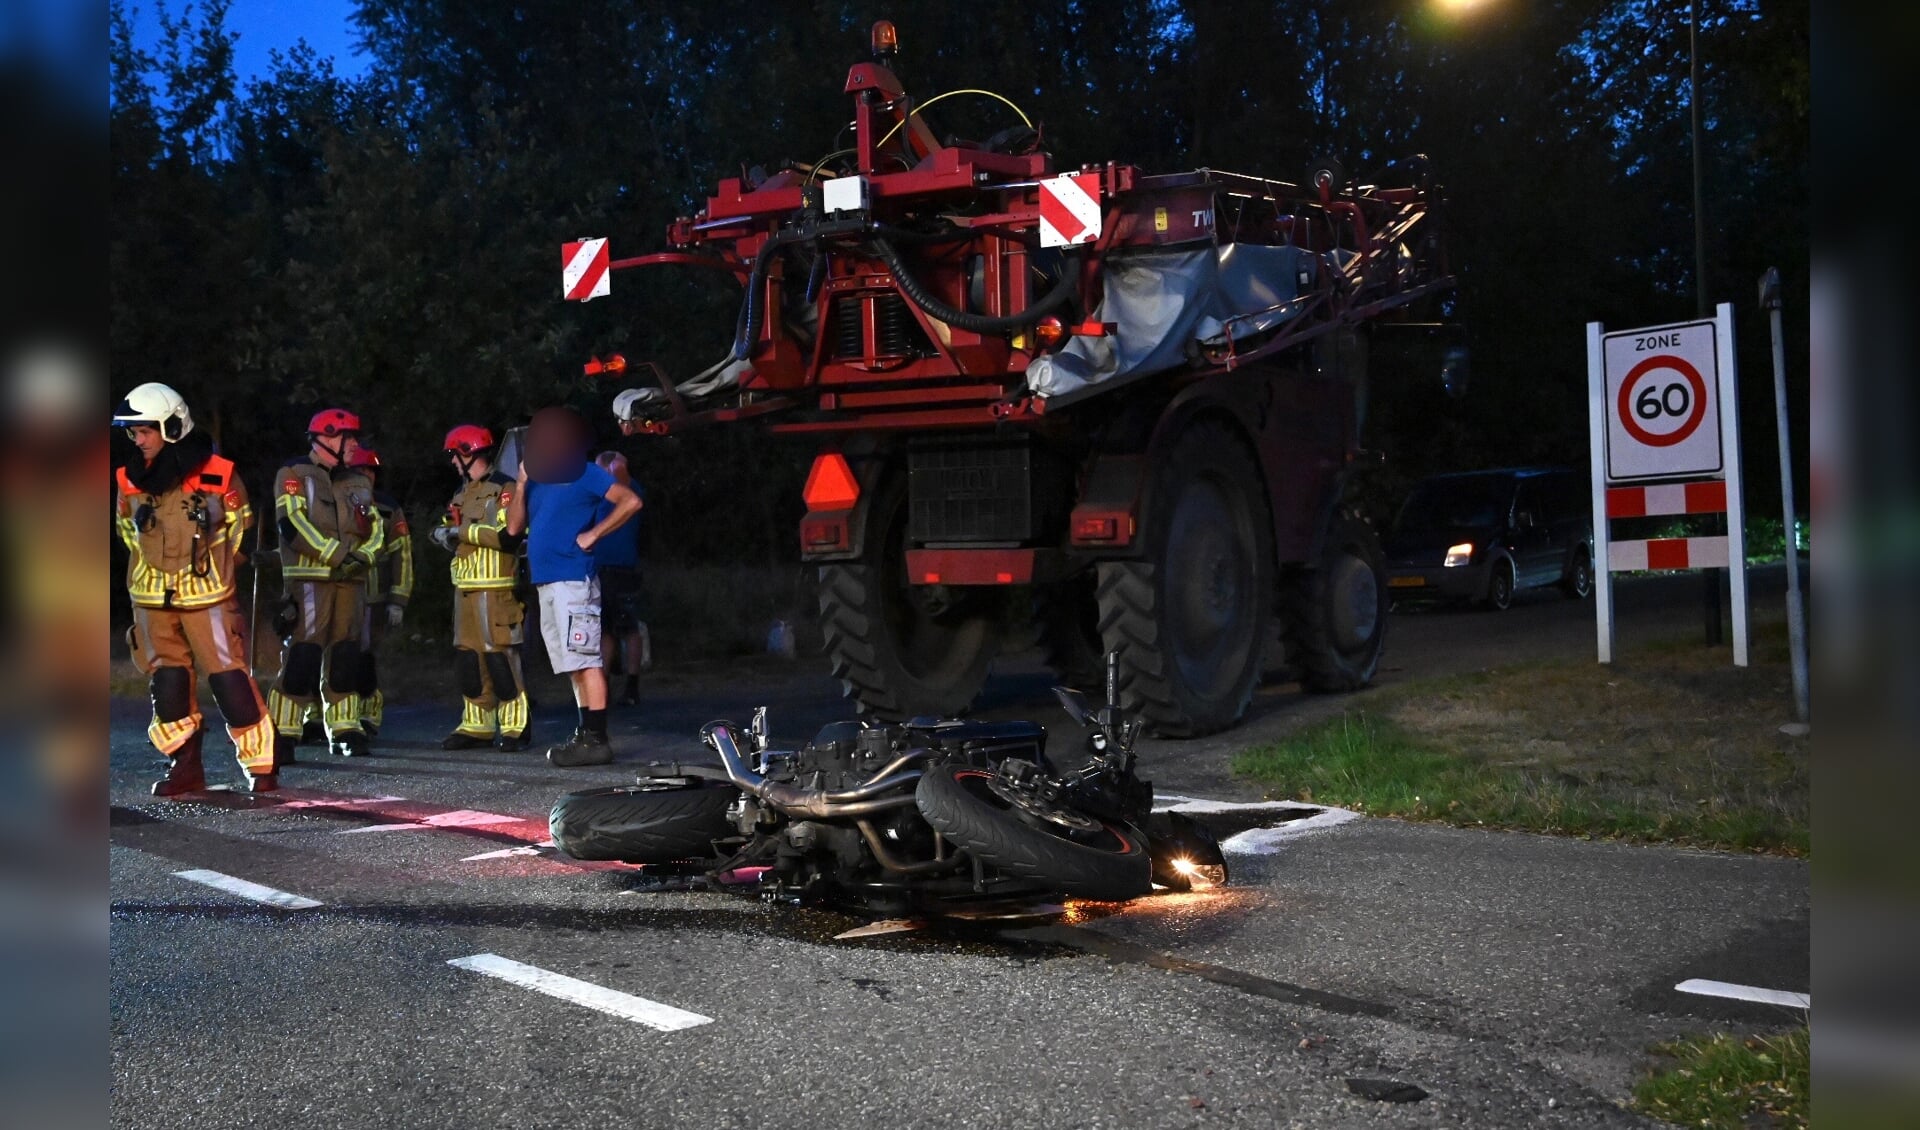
642,825
1066,852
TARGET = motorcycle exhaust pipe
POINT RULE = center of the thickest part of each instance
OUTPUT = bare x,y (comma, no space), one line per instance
811,804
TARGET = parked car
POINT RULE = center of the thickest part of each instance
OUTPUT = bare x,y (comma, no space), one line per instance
1485,535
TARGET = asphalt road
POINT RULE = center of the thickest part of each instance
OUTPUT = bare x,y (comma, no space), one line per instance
1514,980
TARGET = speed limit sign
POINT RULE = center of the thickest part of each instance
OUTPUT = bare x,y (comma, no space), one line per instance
1663,402
1663,416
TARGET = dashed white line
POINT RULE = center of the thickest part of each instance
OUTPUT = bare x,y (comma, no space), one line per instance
1704,988
540,848
640,1010
464,818
336,802
248,890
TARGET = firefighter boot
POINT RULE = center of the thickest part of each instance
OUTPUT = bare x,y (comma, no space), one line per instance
352,743
283,746
267,782
184,774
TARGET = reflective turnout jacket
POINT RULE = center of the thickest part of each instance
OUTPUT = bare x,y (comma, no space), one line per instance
484,556
330,529
184,542
392,581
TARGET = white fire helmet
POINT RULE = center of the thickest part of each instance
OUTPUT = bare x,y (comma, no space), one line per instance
157,405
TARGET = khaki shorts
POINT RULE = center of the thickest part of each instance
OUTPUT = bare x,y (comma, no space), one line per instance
570,624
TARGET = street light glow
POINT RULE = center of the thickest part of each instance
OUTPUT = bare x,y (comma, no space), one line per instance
1459,6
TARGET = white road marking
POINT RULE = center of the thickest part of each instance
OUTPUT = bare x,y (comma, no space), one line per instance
653,1014
1267,841
1174,802
337,802
1259,841
464,818
540,848
247,890
1703,988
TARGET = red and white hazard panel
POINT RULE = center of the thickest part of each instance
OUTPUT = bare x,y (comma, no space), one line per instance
583,270
1708,497
1668,553
1070,210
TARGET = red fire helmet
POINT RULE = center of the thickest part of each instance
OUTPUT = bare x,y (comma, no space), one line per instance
468,439
333,422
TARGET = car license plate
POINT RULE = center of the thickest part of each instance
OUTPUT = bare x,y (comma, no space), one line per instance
1406,582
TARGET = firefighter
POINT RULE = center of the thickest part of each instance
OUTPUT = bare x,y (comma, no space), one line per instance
182,512
488,619
331,533
389,587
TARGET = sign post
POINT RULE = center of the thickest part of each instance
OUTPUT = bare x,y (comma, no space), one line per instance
1796,607
1664,433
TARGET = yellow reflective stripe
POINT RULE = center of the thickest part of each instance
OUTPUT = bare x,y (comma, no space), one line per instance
129,533
476,720
343,715
373,708
254,744
170,736
288,714
513,714
294,509
370,549
403,572
236,527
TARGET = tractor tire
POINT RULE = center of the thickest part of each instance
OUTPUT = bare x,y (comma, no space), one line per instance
1187,625
1333,614
1066,620
901,650
1106,862
642,825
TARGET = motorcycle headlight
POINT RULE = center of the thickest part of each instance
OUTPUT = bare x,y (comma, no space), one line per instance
1461,554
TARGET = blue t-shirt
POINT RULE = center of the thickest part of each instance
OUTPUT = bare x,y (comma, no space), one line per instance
557,513
621,548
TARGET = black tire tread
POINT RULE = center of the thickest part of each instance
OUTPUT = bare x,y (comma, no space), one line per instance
847,617
1006,843
634,825
1308,637
1130,617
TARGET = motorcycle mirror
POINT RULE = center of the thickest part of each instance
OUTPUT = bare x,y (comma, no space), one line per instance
1074,703
757,729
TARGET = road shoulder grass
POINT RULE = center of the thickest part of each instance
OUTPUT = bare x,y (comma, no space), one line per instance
1669,744
1726,1081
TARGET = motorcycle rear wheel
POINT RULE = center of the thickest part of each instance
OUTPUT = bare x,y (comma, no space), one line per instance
1104,861
642,825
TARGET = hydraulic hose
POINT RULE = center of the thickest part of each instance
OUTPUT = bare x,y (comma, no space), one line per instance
976,323
752,311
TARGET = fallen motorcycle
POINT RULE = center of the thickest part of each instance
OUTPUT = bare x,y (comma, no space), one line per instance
917,817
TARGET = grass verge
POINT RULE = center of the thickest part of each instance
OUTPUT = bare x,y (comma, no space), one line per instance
1670,744
1724,1080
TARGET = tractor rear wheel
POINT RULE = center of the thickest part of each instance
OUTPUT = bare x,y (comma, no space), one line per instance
1334,613
1188,623
901,649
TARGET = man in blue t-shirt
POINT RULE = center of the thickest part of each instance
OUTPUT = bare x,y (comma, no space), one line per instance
559,506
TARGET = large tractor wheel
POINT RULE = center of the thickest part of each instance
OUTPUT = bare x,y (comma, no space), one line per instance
1334,612
899,649
1187,624
1066,617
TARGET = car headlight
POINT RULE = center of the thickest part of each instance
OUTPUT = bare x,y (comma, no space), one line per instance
1461,554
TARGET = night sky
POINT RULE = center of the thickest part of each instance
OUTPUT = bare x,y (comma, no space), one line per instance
268,25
